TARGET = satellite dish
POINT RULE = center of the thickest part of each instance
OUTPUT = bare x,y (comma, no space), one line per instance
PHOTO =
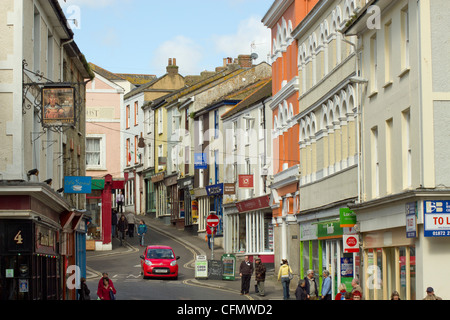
254,56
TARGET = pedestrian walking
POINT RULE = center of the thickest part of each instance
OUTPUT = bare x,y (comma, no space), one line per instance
260,277
245,271
209,233
141,231
311,285
84,292
120,199
430,295
342,290
106,291
285,275
101,287
356,286
131,221
113,222
300,292
122,227
326,286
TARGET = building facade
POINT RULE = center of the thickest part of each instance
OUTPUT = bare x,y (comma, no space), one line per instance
327,121
404,177
43,88
247,156
282,17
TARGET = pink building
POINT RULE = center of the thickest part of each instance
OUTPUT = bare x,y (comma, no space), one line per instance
104,102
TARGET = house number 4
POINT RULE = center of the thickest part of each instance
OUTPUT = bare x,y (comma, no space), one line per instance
18,238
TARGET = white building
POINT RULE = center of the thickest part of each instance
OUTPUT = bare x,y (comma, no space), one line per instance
403,56
247,129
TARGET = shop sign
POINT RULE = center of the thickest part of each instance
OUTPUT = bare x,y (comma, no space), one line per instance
347,217
351,243
245,181
347,267
80,184
308,231
215,189
170,181
411,225
45,240
229,188
157,177
329,230
98,184
253,204
436,218
200,161
229,266
201,267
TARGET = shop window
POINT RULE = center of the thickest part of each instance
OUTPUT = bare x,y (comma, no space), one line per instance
390,269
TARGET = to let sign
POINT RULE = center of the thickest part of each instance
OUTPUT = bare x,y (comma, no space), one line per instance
436,218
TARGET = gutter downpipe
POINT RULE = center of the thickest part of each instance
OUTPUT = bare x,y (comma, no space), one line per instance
61,162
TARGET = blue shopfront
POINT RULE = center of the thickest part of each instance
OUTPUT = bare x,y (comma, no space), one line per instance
215,192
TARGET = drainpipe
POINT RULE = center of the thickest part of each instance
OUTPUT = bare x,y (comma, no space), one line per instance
61,159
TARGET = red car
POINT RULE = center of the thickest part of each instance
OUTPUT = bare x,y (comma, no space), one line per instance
160,262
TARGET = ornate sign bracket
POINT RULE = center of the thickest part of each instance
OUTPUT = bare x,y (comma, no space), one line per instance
32,99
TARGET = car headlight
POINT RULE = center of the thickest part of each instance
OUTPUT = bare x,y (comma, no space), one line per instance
173,263
147,262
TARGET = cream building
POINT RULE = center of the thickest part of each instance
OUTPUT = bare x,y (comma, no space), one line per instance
327,121
42,138
405,179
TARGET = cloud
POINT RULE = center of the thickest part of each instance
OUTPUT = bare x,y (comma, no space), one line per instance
186,51
251,36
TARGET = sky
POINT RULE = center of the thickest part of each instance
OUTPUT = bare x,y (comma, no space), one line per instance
139,36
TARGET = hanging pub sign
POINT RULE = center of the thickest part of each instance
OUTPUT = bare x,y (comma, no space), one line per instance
58,105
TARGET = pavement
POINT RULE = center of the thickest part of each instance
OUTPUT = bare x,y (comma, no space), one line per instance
198,246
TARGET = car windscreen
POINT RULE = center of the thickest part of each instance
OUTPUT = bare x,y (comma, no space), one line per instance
160,254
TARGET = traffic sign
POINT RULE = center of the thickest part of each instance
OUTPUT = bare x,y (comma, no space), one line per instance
212,220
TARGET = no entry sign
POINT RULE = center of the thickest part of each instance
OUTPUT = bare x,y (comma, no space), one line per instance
212,220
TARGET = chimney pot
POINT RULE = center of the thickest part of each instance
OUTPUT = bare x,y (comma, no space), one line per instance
170,61
174,61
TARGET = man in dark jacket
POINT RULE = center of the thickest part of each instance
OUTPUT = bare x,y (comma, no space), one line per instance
260,276
245,271
122,226
311,285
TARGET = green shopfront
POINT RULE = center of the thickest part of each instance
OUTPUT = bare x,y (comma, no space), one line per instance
322,248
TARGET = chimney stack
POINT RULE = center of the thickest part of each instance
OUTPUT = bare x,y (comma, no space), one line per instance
245,61
172,68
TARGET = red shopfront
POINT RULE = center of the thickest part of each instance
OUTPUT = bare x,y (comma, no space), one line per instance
100,203
252,229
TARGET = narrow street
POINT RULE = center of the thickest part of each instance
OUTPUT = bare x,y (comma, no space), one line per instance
123,267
